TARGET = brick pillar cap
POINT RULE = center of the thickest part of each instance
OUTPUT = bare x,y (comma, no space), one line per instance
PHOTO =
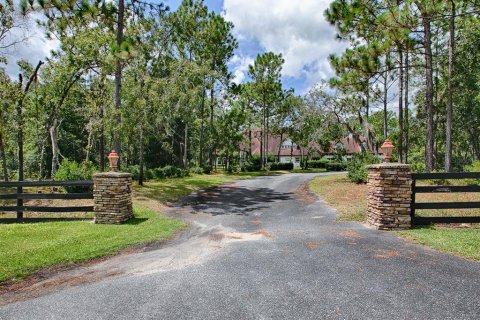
389,165
112,174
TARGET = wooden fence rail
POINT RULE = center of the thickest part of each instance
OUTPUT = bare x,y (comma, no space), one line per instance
443,205
20,196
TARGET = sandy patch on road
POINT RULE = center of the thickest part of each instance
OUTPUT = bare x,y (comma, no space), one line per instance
312,245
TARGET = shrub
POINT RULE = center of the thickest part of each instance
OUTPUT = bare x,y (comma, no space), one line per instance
254,163
182,173
322,163
74,171
418,167
169,172
134,170
196,170
158,173
357,167
336,166
207,169
149,174
281,166
474,167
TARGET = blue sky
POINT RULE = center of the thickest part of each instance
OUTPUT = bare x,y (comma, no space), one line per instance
297,29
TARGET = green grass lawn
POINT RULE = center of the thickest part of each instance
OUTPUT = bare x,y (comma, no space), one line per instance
350,200
31,246
459,241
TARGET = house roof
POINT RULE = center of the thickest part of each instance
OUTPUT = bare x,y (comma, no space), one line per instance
275,142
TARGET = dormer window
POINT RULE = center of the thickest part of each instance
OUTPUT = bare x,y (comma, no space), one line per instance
287,144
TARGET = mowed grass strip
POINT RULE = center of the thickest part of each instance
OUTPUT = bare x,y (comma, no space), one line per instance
464,242
350,200
28,247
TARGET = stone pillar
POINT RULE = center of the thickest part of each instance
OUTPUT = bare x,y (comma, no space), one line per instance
112,194
389,196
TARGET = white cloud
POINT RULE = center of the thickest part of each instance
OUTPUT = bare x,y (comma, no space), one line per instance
240,64
297,29
34,47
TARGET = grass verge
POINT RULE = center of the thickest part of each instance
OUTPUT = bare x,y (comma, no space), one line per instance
464,242
30,246
350,200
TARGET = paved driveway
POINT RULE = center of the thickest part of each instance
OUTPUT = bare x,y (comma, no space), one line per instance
266,249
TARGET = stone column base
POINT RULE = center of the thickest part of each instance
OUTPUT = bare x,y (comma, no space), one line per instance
389,196
112,193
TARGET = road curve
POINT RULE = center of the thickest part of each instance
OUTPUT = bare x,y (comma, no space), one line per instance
265,248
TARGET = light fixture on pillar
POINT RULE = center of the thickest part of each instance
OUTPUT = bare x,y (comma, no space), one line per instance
113,159
387,148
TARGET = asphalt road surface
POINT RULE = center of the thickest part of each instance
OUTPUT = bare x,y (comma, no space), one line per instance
264,249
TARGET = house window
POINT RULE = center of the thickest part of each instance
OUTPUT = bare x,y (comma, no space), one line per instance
287,144
297,159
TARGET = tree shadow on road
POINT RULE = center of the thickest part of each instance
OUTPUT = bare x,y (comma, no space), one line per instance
227,200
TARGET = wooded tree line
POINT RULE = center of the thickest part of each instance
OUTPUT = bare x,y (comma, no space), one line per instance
155,86
135,77
421,56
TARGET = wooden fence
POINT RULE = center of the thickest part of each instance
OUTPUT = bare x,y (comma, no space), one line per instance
19,195
443,205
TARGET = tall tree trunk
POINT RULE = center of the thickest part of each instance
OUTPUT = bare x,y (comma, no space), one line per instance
385,105
367,116
20,147
449,124
400,105
41,165
427,42
266,134
407,121
280,146
4,158
118,79
250,140
19,109
89,145
55,151
101,144
202,125
185,151
264,124
261,149
212,138
141,156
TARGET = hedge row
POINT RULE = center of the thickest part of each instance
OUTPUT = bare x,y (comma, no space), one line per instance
281,166
157,173
336,166
327,164
321,164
